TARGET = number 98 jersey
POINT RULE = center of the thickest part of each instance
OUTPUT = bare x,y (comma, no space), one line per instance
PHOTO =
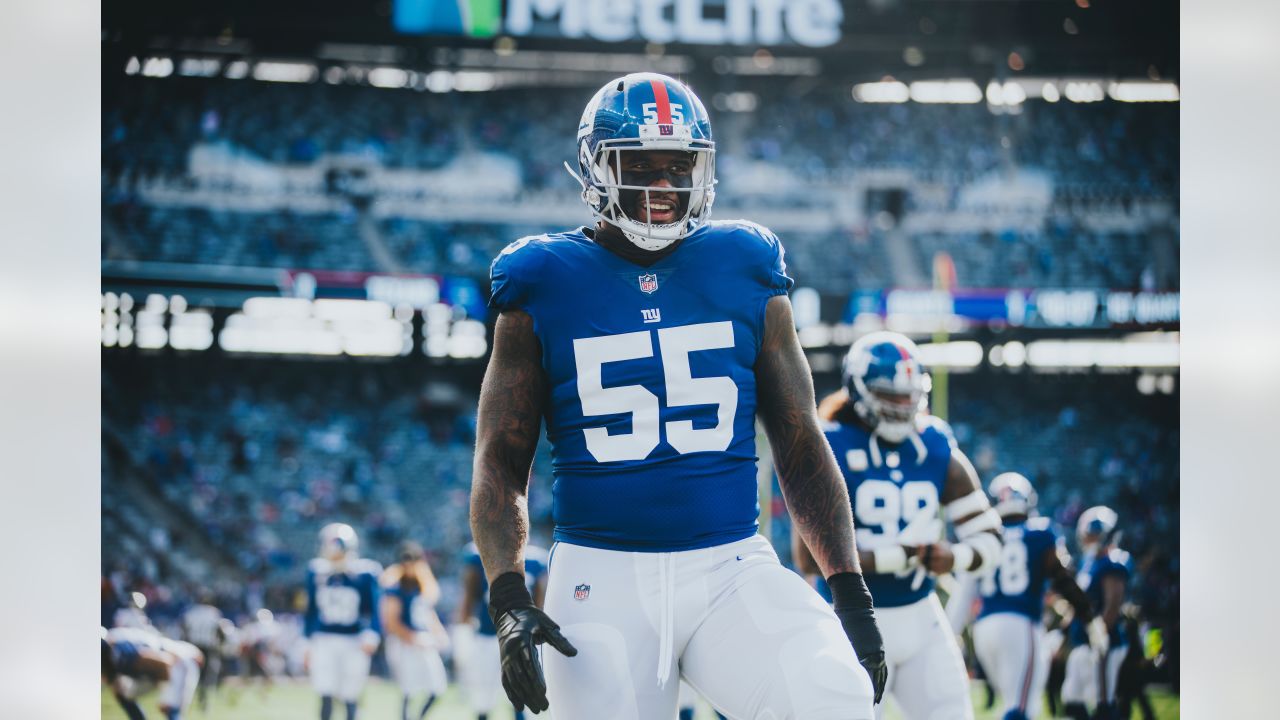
896,492
1018,584
342,601
652,398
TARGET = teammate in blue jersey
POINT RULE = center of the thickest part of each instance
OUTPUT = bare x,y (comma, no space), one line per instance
904,471
480,667
341,622
414,633
130,654
650,342
1093,666
1008,637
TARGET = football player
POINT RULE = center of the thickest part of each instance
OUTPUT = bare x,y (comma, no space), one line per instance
903,470
202,627
649,341
477,657
130,654
1103,571
1008,637
341,621
414,633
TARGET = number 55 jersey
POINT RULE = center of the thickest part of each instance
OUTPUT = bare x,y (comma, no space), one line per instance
651,381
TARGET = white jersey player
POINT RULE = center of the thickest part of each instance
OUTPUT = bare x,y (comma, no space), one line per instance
202,627
130,654
342,621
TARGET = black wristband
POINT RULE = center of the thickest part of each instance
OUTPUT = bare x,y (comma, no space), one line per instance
508,592
849,592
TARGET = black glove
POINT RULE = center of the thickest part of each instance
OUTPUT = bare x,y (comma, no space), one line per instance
852,603
521,626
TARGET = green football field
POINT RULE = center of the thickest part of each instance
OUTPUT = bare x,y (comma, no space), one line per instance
294,700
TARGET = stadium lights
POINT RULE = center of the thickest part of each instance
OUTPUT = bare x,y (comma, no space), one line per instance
881,92
946,91
157,67
1084,91
1050,93
298,326
956,354
387,77
133,67
236,70
199,67
288,72
1143,91
1009,93
1135,352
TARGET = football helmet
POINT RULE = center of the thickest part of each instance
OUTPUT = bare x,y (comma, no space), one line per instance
338,542
1096,527
645,111
1012,494
887,384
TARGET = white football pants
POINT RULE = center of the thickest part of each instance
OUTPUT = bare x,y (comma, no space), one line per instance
1014,653
339,665
417,668
184,676
1087,680
749,635
927,678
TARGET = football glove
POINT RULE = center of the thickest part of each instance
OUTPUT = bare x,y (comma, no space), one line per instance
521,627
853,606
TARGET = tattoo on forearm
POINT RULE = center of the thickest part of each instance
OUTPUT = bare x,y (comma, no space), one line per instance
508,423
807,472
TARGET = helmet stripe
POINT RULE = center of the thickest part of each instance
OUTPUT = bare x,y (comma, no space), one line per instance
664,104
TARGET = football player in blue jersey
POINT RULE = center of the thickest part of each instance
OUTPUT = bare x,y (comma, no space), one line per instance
477,656
341,622
1008,637
414,633
903,471
1103,571
130,654
649,342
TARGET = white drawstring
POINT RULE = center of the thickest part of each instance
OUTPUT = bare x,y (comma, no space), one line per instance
666,614
875,451
921,451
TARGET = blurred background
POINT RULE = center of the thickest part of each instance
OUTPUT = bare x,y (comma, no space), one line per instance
300,201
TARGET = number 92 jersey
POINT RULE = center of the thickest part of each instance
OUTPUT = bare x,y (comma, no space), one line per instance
651,379
895,491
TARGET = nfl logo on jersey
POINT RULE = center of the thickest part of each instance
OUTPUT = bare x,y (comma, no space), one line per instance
648,283
580,592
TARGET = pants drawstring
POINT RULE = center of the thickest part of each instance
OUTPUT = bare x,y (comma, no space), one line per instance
666,615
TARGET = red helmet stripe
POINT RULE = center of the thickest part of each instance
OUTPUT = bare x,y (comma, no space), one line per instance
664,104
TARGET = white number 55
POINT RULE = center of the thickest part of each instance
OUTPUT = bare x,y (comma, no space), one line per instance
590,354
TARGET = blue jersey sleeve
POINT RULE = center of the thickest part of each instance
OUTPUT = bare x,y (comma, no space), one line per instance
772,263
311,619
512,275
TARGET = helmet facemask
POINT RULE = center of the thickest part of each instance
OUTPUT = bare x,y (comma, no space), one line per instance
890,412
612,191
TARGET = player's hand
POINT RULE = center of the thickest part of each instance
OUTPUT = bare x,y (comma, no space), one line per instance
520,630
853,607
1099,637
936,558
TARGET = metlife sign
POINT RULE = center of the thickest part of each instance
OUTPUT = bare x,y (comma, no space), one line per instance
809,23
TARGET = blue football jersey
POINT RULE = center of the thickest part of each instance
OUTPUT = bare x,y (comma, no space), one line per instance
896,493
414,608
127,644
1089,576
1018,584
535,566
651,413
342,601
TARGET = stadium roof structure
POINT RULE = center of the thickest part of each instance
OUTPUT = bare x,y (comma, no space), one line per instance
851,40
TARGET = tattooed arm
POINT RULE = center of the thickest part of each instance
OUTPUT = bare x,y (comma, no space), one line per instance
807,472
507,425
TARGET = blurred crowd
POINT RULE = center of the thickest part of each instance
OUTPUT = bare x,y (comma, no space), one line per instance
1063,162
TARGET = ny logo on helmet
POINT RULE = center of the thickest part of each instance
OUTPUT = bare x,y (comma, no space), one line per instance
648,283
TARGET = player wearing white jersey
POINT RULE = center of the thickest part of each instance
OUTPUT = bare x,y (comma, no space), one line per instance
649,342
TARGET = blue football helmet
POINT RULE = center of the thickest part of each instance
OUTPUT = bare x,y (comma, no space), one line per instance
887,384
645,111
1012,494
